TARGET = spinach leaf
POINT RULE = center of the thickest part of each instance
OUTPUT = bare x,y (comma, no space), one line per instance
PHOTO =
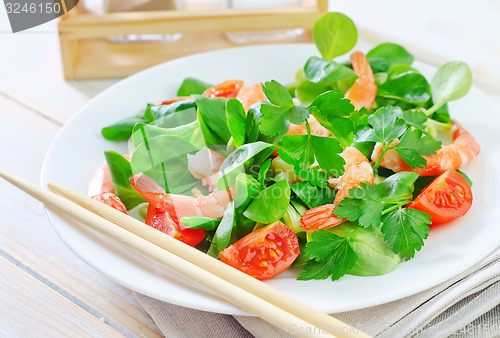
236,121
191,86
233,164
398,186
391,53
190,132
271,204
163,158
122,129
291,218
212,119
313,196
247,187
334,34
451,82
120,170
263,172
406,84
252,123
307,91
319,70
222,236
375,255
205,223
175,114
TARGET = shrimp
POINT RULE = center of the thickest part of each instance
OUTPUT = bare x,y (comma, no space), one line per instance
453,156
364,90
250,94
357,170
101,188
177,206
204,163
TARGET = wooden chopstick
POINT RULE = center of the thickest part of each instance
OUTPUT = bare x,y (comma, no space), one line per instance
241,298
190,254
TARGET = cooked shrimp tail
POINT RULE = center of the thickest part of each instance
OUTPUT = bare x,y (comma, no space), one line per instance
357,170
364,90
453,156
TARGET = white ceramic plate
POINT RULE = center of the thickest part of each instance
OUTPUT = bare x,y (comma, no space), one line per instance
78,150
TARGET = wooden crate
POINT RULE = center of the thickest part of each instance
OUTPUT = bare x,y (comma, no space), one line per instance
87,51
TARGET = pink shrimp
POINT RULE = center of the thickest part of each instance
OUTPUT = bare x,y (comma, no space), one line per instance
453,156
364,90
177,206
101,188
357,170
250,94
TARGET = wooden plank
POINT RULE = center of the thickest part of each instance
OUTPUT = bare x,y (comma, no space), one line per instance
158,22
28,238
30,308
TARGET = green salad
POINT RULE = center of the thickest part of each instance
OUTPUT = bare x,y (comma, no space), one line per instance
341,172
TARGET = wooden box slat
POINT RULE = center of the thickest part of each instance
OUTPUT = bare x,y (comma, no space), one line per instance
87,52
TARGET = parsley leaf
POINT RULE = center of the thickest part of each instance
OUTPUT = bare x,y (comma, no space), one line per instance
412,145
303,149
406,229
387,124
276,118
330,109
312,175
383,205
366,205
415,118
331,255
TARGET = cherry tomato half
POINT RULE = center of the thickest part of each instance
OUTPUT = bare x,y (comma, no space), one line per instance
448,197
160,220
174,99
264,253
227,89
111,200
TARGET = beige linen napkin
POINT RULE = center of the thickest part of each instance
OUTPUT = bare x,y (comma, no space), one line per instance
464,306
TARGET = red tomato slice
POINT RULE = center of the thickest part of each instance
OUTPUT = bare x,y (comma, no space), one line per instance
448,197
160,220
111,200
264,253
174,99
227,89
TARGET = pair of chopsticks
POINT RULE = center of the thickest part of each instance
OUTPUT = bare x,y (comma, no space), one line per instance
231,284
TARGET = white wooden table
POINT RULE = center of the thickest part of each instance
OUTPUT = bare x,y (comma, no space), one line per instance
45,290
